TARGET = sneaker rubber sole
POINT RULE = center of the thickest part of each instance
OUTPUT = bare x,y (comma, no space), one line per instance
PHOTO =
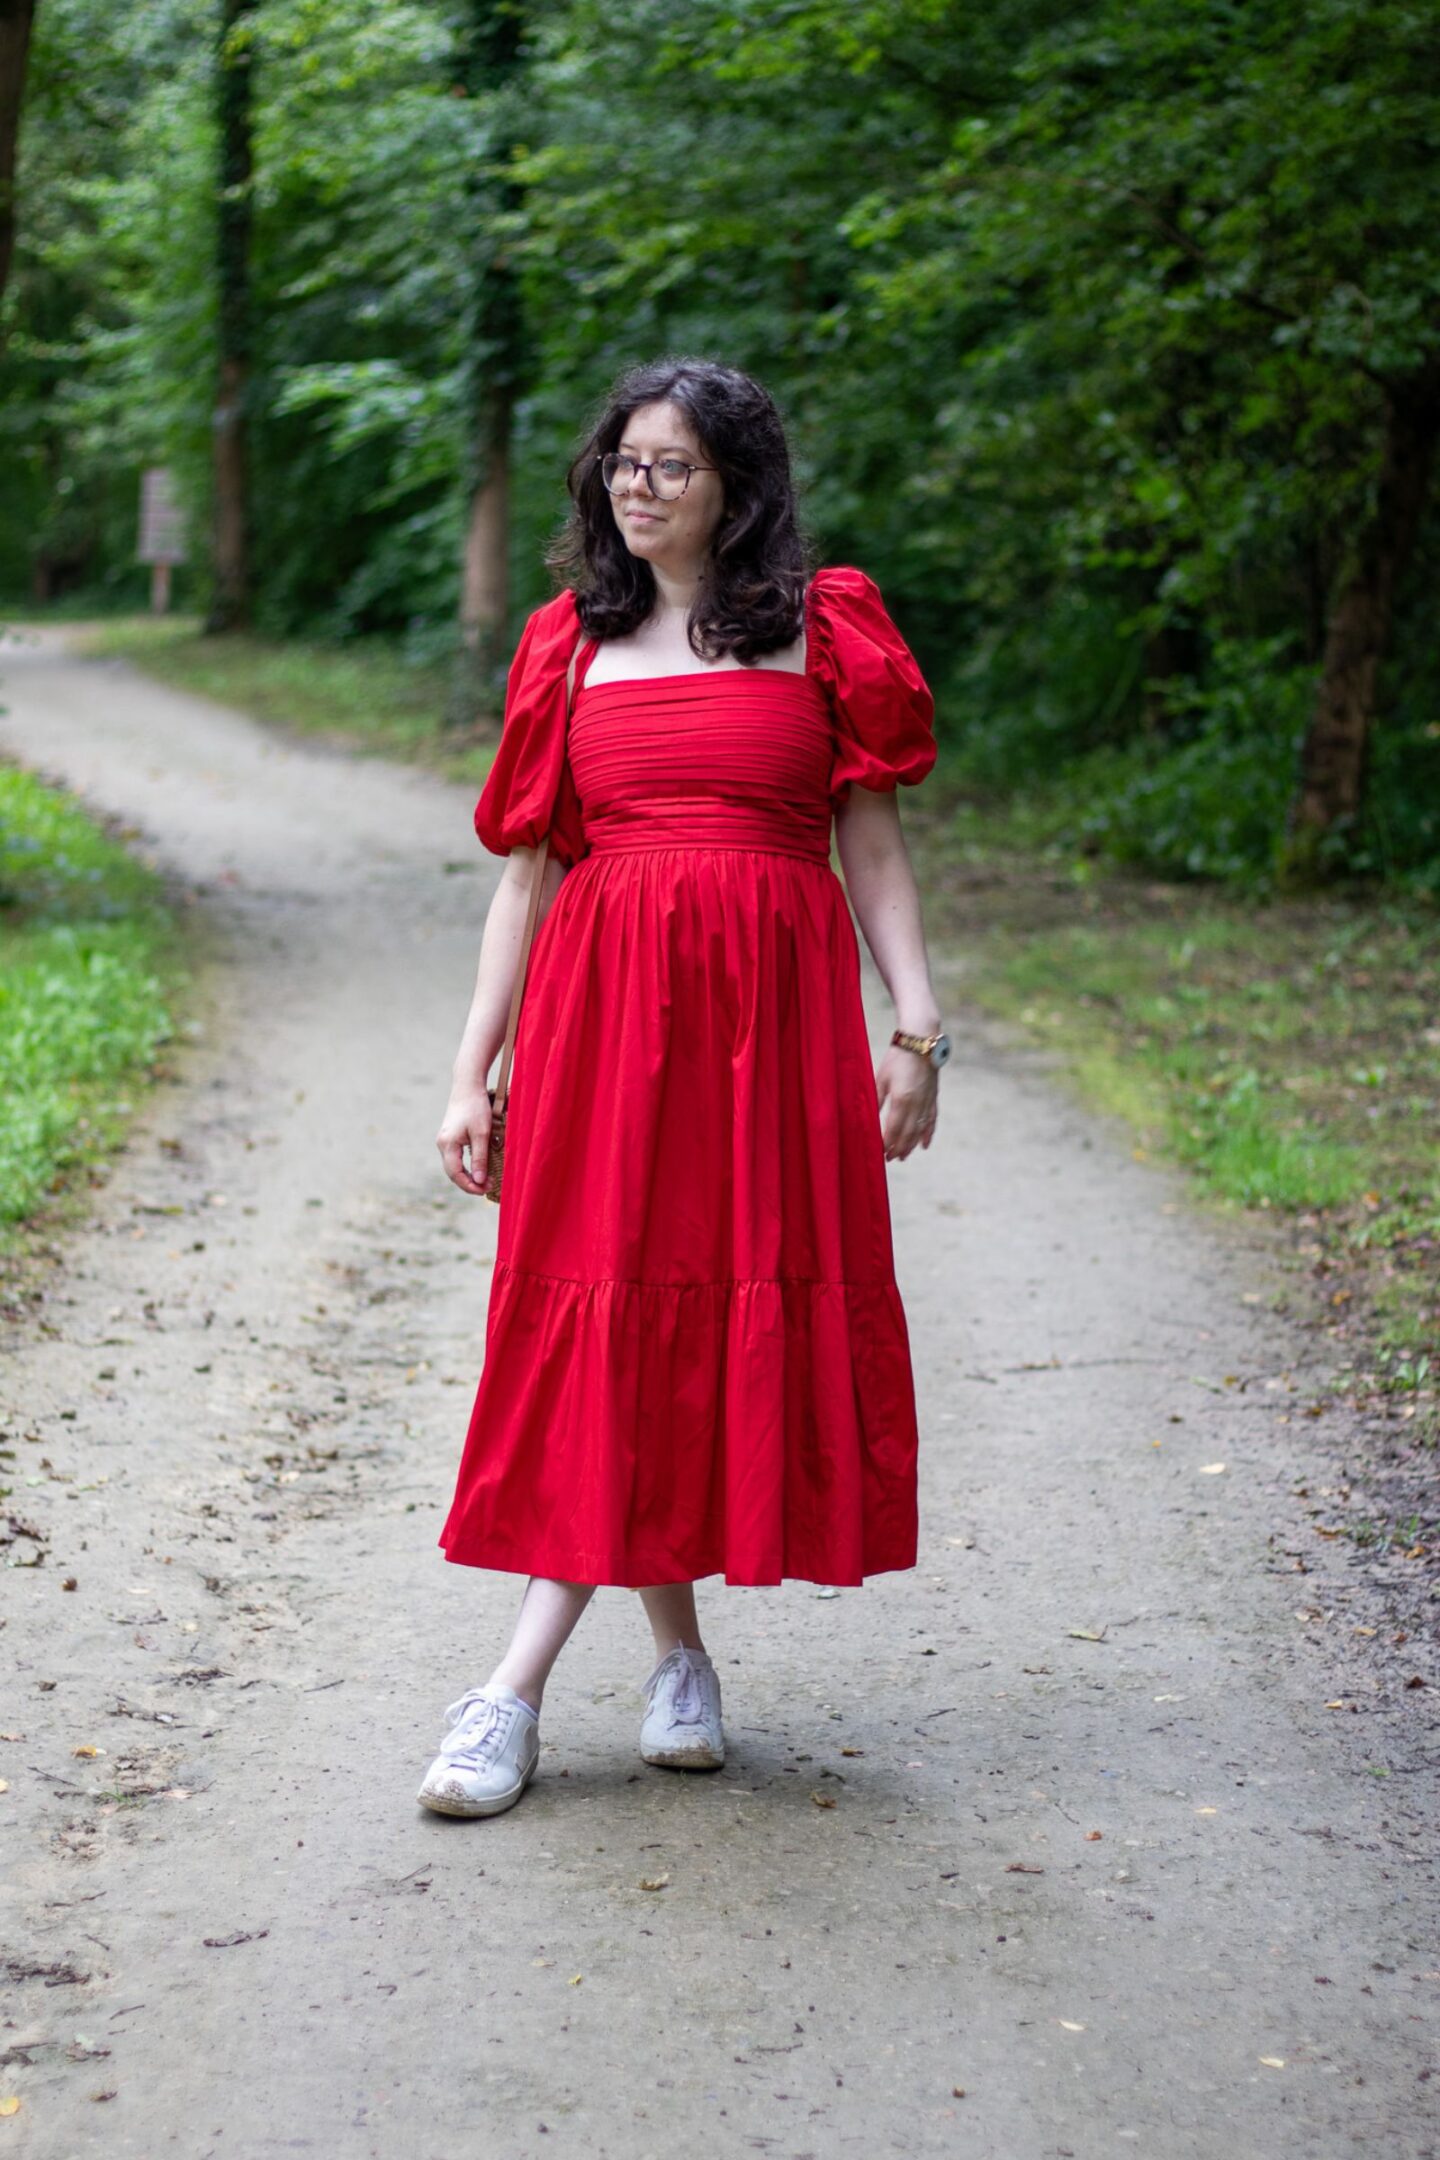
699,1757
443,1803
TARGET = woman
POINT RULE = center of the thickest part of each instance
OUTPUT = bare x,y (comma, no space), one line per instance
696,1357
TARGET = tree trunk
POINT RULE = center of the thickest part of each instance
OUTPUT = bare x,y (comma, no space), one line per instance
230,603
1331,788
484,572
478,681
16,18
1174,651
489,65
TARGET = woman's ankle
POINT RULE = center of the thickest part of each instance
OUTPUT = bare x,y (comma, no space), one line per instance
678,1639
521,1684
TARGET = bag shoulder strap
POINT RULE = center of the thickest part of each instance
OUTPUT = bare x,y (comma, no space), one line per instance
532,915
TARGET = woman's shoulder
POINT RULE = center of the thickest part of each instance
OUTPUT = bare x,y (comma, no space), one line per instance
846,608
553,617
840,578
548,638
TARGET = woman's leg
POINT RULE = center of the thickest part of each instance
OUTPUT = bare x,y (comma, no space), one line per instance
670,1609
548,1613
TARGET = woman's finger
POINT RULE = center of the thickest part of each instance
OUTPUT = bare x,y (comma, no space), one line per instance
910,1124
452,1146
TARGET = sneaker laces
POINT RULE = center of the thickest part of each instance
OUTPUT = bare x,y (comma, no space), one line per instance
687,1705
478,1724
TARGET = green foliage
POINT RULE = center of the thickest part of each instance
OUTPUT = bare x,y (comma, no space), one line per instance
1287,1053
84,950
1084,320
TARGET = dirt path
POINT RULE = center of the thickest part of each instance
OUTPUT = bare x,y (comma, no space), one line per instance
1144,1893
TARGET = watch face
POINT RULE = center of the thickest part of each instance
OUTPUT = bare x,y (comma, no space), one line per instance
941,1051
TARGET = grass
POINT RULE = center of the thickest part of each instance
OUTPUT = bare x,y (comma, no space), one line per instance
362,694
89,966
1287,1053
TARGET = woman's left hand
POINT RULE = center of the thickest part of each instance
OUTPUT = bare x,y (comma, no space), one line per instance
909,1090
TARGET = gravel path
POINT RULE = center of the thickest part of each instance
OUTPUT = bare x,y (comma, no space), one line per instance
1051,1847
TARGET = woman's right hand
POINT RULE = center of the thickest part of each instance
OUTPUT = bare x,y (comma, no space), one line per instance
466,1127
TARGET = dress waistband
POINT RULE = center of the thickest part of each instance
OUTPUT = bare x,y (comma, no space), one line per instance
698,821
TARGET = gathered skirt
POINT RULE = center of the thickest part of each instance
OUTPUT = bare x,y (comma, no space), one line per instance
696,1356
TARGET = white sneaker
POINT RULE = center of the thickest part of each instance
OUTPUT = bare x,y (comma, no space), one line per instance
486,1758
681,1728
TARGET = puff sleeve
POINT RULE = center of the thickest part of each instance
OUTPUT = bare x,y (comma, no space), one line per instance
530,788
883,710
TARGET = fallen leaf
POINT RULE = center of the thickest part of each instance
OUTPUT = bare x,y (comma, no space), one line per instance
822,1799
957,2092
654,1882
1022,1867
1069,2025
4,1784
852,1751
10,2105
1273,2062
575,1979
71,1582
1211,1469
87,1751
228,1942
1093,1837
1087,1634
1207,1811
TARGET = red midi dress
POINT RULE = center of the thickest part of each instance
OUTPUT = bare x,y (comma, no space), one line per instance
696,1357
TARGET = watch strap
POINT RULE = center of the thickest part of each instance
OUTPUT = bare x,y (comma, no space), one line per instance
922,1044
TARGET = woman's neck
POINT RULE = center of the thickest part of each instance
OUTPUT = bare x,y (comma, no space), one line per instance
675,595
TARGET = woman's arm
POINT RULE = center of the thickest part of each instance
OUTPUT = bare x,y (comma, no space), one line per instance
466,1123
881,884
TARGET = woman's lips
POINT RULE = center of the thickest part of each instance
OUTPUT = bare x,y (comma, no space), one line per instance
643,517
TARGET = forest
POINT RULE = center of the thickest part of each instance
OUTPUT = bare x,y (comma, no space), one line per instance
1107,336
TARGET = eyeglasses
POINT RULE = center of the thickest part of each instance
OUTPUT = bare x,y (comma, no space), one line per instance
667,478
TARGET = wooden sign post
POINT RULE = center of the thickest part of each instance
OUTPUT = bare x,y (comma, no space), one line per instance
162,532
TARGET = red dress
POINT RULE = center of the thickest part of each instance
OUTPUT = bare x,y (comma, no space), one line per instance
696,1357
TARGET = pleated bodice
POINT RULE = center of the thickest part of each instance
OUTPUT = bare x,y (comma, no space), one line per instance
737,758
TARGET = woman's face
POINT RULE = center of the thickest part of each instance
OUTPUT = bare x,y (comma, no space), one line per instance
673,535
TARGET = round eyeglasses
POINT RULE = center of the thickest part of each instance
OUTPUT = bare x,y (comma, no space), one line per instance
667,478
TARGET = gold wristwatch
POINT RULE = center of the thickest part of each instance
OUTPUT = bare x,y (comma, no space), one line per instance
934,1047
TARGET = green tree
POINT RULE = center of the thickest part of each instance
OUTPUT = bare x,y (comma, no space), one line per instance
230,605
16,19
490,62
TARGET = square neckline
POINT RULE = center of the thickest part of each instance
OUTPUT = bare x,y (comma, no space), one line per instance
638,682
632,682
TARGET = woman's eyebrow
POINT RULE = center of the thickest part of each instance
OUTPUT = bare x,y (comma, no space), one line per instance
669,449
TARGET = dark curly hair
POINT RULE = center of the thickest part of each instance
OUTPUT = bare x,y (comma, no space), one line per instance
752,589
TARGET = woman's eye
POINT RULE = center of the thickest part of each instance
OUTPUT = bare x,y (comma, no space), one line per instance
672,468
